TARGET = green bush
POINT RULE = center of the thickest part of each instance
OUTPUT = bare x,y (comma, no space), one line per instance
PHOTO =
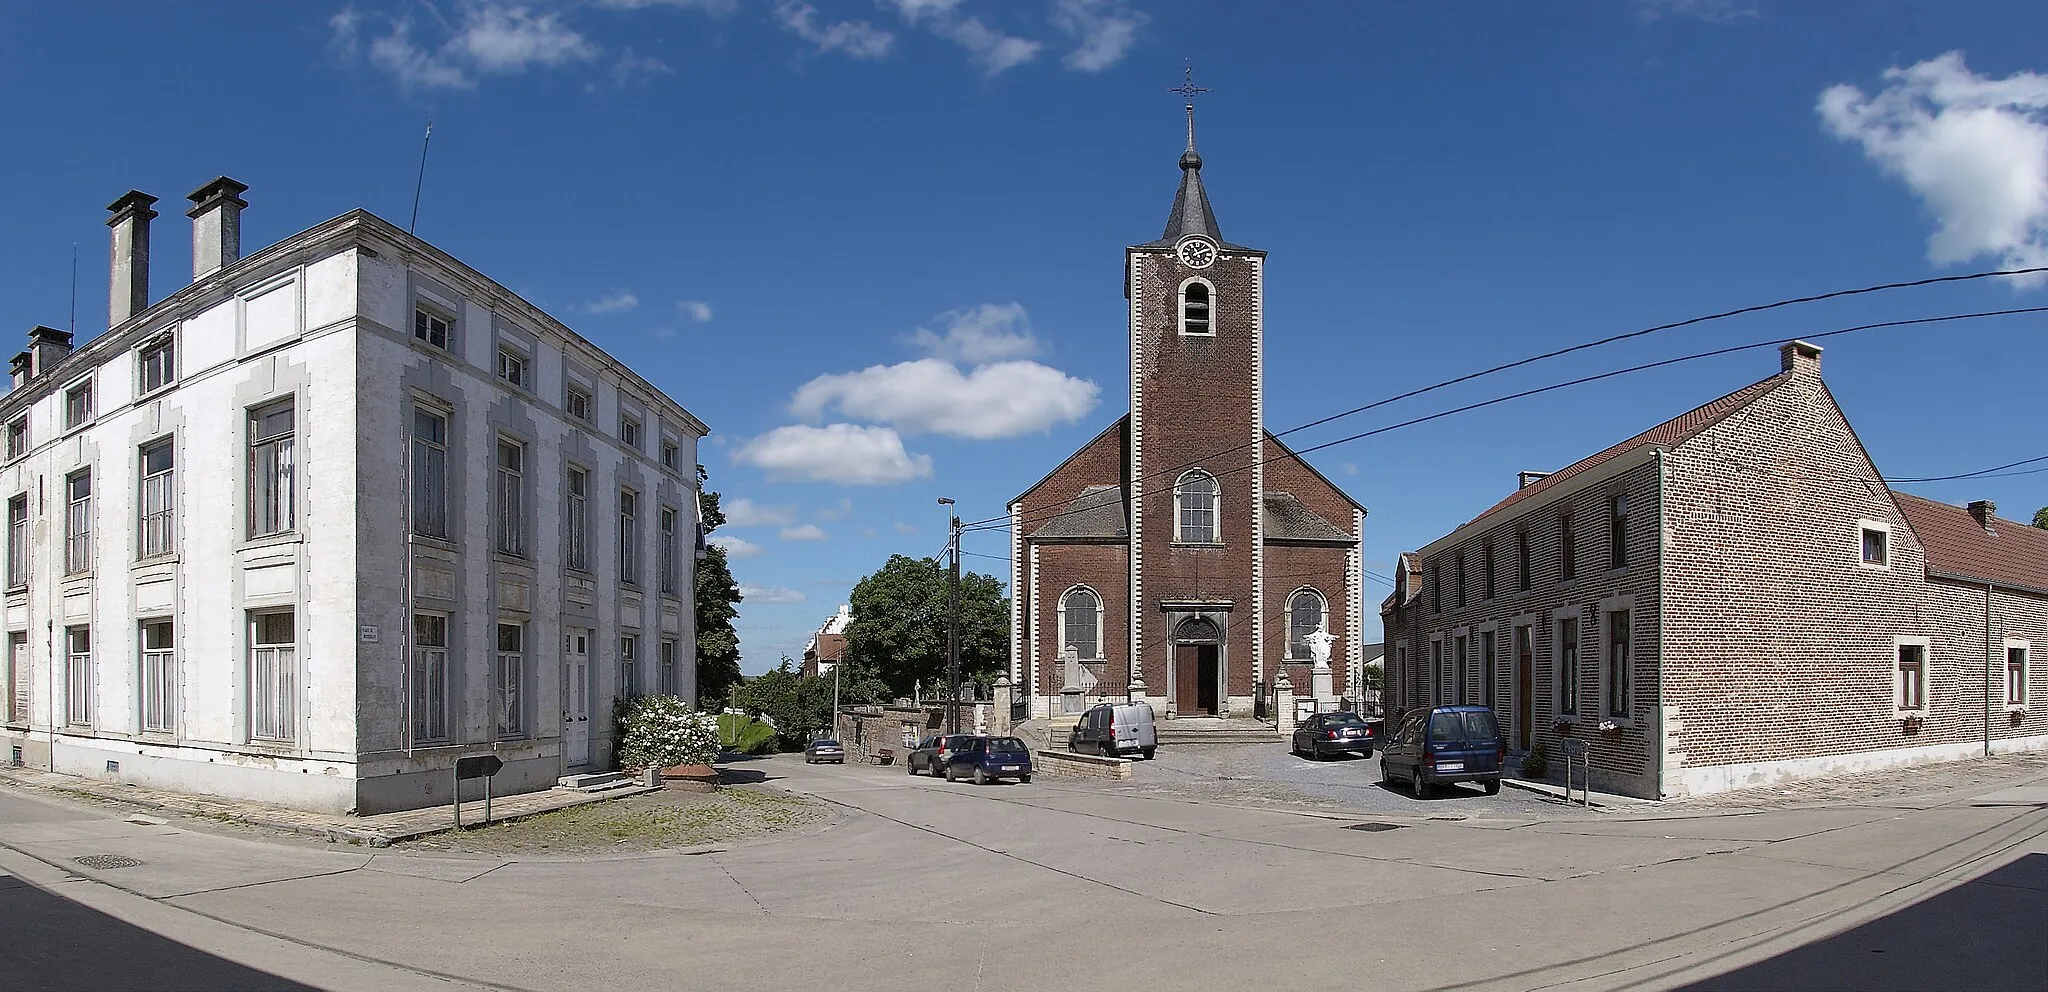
1536,763
746,735
659,731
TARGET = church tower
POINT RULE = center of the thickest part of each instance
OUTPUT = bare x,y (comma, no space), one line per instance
1196,447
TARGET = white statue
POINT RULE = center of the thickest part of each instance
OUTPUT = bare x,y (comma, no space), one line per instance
1319,645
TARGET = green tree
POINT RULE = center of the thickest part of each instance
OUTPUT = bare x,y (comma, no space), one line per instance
2041,518
718,598
898,633
797,704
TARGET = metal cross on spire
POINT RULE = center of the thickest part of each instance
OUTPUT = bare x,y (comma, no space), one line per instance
1189,90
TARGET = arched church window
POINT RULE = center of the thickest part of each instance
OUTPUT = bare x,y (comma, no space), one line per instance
1195,300
1196,501
1305,612
1081,623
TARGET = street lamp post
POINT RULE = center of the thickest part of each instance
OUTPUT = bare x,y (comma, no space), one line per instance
952,619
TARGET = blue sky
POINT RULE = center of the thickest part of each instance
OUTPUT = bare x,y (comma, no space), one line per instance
877,246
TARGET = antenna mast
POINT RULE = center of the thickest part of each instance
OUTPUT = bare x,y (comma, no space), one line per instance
422,179
73,328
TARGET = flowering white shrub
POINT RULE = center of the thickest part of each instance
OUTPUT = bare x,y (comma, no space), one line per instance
659,731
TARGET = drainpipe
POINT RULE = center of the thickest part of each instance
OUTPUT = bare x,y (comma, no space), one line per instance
1663,740
1990,667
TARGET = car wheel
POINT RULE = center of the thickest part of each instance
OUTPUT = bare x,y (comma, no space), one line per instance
909,766
939,770
1148,752
1421,787
1386,777
1026,779
980,777
1493,787
949,774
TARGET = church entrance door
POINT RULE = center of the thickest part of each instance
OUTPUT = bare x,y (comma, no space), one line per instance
1198,671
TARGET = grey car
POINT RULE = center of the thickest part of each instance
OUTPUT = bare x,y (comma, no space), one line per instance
931,754
1334,733
824,750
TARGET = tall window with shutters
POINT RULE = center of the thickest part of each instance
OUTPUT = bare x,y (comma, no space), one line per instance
159,676
429,472
272,500
429,678
78,522
158,525
273,676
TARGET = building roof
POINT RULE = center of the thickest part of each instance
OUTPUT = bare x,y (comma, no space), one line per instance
1191,212
1288,519
1668,434
1098,512
1957,546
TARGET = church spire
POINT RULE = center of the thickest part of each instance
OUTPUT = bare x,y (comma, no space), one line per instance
1191,213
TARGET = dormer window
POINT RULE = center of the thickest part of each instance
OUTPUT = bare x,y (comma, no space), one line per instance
1196,304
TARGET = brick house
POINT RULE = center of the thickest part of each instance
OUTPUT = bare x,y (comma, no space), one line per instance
1731,598
1184,555
827,647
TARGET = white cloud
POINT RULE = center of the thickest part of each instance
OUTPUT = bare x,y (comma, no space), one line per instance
905,529
844,508
802,532
978,335
856,38
492,39
1972,148
916,10
735,547
744,512
849,454
932,396
1711,11
1350,468
716,8
1103,32
632,70
771,594
696,310
993,50
616,301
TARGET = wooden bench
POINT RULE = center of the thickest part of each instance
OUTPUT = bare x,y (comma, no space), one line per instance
883,756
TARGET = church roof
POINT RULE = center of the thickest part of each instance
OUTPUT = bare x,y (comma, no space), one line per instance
1191,211
1288,519
1097,513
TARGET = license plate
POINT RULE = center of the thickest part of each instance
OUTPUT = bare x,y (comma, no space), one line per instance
1009,768
1450,766
1351,733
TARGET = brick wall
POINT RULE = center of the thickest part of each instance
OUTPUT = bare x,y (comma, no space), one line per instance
1104,568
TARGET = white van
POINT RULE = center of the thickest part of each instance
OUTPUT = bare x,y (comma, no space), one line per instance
1114,729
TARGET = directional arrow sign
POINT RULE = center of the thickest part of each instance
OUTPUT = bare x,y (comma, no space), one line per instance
478,766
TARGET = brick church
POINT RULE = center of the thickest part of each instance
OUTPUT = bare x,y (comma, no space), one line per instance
1184,557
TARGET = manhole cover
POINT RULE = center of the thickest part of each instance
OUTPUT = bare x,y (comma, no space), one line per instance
1373,828
106,861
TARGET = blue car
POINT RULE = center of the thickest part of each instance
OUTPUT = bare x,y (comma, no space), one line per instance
1443,745
986,759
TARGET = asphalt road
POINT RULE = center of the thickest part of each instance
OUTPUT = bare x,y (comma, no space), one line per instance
1268,773
925,884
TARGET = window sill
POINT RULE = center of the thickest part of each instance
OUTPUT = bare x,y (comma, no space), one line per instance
2016,707
439,543
1565,585
1875,566
512,558
146,396
1617,570
1898,714
271,540
1619,722
1197,544
73,576
20,590
1564,720
154,561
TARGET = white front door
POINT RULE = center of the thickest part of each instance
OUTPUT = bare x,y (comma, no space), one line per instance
576,697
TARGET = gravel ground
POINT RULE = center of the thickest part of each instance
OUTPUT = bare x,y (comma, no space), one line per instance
651,822
1266,774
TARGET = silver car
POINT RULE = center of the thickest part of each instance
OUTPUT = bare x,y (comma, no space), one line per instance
824,750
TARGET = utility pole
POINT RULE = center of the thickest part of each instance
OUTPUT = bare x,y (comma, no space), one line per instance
952,619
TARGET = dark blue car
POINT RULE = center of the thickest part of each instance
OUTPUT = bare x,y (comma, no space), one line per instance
1442,745
986,759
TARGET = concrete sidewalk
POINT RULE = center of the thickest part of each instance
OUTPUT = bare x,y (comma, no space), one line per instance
381,830
1594,799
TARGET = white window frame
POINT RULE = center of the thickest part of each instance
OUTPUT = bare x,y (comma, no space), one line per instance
429,505
79,684
162,354
670,684
273,699
629,665
515,369
159,676
629,424
629,536
1063,641
1322,617
508,681
1926,677
1863,527
425,335
1609,608
2024,699
19,551
157,502
671,557
573,391
1181,307
671,455
281,451
508,497
18,438
20,678
78,523
73,395
1215,508
576,549
1565,690
428,693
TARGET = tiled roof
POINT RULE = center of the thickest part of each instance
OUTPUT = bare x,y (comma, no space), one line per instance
1672,432
1288,520
1957,545
1097,513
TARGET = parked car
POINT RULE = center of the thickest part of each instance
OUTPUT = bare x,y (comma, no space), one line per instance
824,750
1334,733
1432,747
1112,729
986,759
930,755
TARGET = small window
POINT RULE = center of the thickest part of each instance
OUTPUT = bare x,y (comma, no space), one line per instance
1912,678
2016,674
1617,531
629,432
1195,309
512,367
17,437
159,361
159,677
577,402
1568,550
78,405
430,327
159,499
669,453
1876,546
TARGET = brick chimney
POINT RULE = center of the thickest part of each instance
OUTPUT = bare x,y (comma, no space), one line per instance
1524,480
128,285
216,226
1986,513
1800,357
24,369
46,347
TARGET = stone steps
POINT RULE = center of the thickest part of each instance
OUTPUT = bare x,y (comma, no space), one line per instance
595,782
1217,732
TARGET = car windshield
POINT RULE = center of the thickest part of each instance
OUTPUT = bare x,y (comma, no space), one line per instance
957,741
1006,745
824,743
1474,725
1334,719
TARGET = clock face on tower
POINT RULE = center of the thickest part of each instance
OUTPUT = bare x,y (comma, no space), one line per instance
1196,253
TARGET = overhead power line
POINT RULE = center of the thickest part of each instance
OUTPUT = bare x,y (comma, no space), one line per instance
1611,339
1980,473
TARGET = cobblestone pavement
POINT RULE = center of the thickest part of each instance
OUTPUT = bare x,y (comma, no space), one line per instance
1890,785
652,822
1267,775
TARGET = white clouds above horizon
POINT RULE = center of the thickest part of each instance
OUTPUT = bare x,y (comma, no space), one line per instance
696,310
931,396
991,332
1710,11
1972,148
735,547
490,39
848,454
1103,30
858,39
803,532
906,529
770,594
616,301
744,512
